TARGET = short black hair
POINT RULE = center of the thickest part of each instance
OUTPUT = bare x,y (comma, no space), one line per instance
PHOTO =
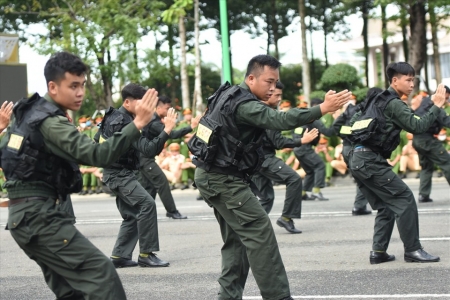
257,63
62,62
447,89
163,100
133,91
399,68
279,85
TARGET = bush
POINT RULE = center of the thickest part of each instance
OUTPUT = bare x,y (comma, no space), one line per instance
340,77
317,94
360,94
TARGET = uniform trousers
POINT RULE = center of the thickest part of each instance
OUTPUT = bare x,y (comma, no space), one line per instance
274,169
138,211
360,200
388,194
153,179
431,152
248,237
72,266
313,165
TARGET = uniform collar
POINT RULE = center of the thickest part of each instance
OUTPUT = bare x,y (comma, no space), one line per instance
392,91
125,111
244,85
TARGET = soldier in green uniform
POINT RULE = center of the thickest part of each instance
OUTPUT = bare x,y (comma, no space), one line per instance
225,160
151,176
431,151
375,133
136,206
273,169
343,129
310,160
5,115
39,157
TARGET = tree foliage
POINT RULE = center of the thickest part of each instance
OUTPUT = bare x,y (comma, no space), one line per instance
340,77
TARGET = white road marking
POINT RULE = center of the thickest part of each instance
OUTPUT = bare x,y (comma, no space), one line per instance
405,296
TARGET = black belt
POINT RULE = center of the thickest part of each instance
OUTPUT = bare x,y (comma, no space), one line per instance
226,171
26,199
362,149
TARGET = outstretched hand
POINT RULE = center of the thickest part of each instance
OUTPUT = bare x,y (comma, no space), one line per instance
5,114
170,120
308,136
439,97
194,121
333,101
145,108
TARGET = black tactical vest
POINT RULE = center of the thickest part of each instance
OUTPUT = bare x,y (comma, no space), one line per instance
370,127
215,145
423,109
24,158
114,121
345,129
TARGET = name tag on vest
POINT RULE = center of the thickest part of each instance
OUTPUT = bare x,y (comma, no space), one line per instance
298,130
203,133
346,130
361,124
15,141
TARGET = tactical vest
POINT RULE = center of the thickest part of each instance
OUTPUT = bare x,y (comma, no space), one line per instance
346,129
115,121
24,158
215,145
370,127
422,110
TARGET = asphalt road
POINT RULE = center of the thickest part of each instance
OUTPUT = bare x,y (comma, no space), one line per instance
329,260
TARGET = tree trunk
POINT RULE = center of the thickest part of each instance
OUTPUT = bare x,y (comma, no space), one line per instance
105,101
325,34
275,33
403,24
184,73
418,43
198,75
313,62
269,34
365,15
384,34
305,69
173,84
435,42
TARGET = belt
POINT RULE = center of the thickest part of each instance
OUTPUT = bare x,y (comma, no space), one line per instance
362,149
26,199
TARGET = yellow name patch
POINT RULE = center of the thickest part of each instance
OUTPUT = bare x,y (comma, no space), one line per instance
101,140
15,141
345,130
417,117
203,133
298,130
361,124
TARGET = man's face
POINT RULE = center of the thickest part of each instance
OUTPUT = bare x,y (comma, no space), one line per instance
130,105
275,99
69,91
162,108
188,117
403,84
263,85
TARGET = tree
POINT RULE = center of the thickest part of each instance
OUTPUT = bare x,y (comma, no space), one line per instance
198,75
305,70
340,77
418,40
97,31
177,13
